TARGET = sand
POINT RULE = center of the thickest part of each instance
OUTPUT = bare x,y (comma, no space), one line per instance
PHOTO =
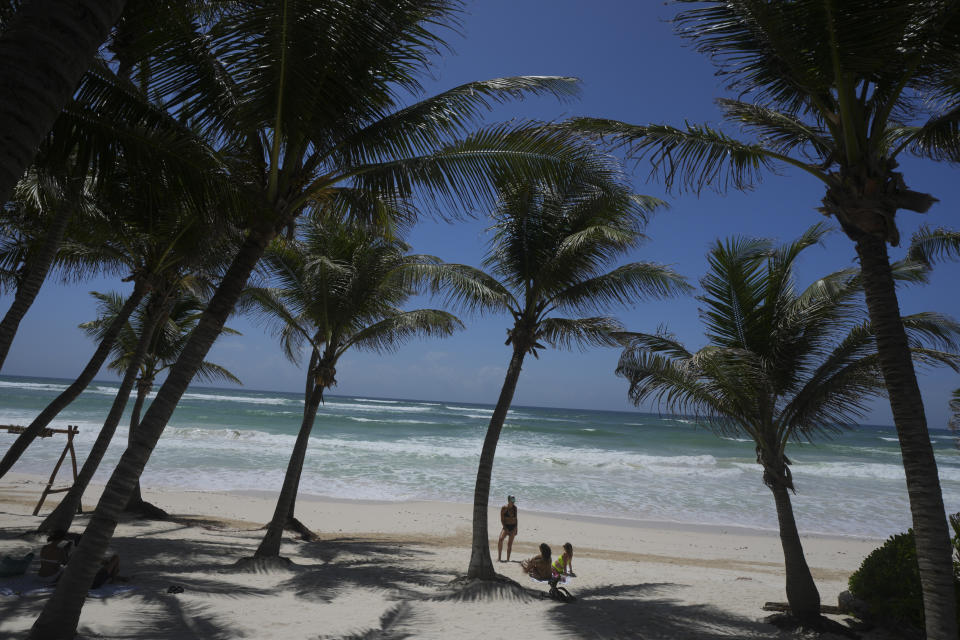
382,570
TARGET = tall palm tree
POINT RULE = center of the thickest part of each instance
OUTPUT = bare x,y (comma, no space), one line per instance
167,343
341,288
780,365
551,246
149,231
155,334
45,48
32,229
306,97
840,91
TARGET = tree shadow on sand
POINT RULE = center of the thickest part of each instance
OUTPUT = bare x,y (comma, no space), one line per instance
171,619
352,562
643,612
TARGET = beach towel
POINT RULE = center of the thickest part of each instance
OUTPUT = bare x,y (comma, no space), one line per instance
32,585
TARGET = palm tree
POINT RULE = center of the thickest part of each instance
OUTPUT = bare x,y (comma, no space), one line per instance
551,245
153,234
159,328
842,90
305,97
780,365
167,343
31,231
341,288
45,48
954,421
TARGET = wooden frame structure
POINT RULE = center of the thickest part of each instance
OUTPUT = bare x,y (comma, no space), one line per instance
71,431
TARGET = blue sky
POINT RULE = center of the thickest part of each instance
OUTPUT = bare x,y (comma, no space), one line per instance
634,69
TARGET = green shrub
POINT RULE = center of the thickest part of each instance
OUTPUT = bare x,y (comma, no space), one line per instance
888,580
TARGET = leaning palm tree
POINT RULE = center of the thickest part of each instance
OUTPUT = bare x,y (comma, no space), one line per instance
551,246
841,91
339,289
307,100
148,342
32,228
780,365
45,47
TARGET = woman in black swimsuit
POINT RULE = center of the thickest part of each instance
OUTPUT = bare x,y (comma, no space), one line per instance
508,518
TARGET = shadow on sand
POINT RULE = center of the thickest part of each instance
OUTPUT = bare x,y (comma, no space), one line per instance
155,559
646,612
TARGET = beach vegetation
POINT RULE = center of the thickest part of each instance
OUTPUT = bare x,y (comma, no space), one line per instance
339,287
837,91
547,267
782,364
888,580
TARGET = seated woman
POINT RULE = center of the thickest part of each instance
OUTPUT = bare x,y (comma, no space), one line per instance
563,567
538,567
56,553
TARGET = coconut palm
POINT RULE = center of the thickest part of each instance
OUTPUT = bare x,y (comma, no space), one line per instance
552,243
339,289
109,125
954,421
840,91
307,100
150,239
31,231
927,247
45,48
149,341
780,365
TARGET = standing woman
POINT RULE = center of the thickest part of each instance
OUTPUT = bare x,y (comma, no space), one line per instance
508,518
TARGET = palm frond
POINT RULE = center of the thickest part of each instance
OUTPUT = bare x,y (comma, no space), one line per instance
780,132
582,333
388,334
927,246
623,286
692,158
210,372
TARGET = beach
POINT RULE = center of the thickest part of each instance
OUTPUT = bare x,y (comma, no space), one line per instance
382,570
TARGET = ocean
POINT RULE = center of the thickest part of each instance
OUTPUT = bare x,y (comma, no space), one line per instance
572,461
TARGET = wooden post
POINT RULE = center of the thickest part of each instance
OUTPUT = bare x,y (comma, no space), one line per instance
71,431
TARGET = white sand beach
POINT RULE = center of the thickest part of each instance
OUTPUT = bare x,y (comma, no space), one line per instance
381,570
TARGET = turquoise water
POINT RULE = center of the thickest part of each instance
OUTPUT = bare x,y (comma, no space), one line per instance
598,463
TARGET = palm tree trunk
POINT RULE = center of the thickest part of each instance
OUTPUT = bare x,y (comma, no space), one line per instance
35,272
144,387
70,394
934,551
481,565
62,612
61,517
270,545
44,52
802,594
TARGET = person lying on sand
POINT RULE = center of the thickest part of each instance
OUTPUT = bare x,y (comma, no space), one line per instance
538,567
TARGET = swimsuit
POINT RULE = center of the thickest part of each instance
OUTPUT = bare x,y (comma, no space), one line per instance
511,512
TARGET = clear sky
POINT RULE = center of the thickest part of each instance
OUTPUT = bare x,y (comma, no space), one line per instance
633,68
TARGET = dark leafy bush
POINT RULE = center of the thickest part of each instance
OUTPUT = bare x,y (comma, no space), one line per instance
889,582
889,579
